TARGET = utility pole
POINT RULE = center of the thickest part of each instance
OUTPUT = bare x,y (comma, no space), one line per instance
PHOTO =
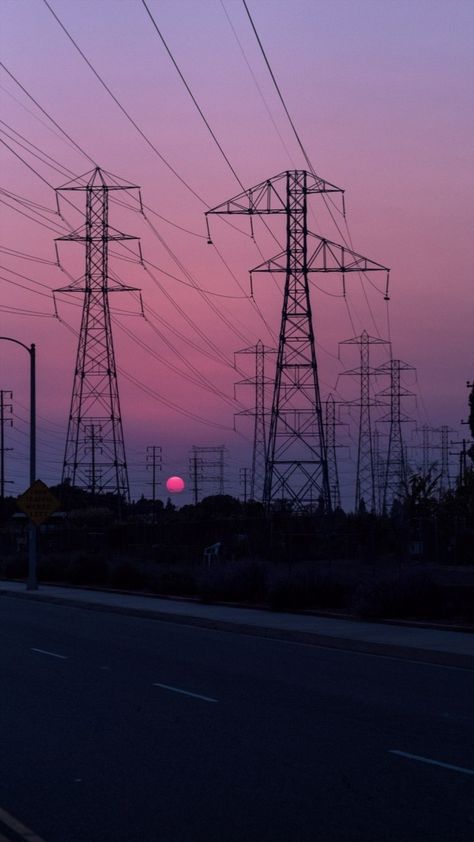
396,466
195,470
365,477
259,413
154,461
95,394
296,462
4,408
462,455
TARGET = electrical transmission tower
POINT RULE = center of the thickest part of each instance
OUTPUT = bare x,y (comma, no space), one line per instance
444,482
365,477
4,408
296,461
257,475
243,479
379,471
330,425
207,466
425,443
396,466
95,401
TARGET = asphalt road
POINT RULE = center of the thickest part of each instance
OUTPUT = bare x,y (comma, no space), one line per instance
122,729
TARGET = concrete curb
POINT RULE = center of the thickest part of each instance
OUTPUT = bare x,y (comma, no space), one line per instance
427,656
304,612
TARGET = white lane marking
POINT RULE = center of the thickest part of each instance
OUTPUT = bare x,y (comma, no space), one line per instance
53,654
19,828
184,692
432,762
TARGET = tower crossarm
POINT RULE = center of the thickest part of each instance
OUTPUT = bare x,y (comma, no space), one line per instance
326,257
270,196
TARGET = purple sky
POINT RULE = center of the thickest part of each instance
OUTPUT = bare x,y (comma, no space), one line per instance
381,95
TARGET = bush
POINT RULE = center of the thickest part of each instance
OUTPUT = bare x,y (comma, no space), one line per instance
412,594
128,576
173,581
87,570
14,567
233,581
304,588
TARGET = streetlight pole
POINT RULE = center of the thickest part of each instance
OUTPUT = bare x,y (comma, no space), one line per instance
32,582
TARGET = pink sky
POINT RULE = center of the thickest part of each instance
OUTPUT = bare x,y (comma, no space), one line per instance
381,95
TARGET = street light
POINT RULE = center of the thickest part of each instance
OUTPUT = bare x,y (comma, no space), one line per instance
32,582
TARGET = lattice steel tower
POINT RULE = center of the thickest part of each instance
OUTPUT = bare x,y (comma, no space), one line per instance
95,417
365,477
296,464
396,466
259,414
330,425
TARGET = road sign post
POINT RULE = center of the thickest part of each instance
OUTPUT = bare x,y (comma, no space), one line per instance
38,503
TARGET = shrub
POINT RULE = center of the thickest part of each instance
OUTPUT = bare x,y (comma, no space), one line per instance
128,576
15,567
173,581
87,570
233,581
411,594
304,587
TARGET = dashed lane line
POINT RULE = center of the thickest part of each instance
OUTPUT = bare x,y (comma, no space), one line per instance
46,652
184,692
432,762
20,829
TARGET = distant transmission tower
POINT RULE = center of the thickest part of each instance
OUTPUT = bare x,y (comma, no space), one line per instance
444,483
207,467
425,432
365,477
257,474
396,466
95,402
296,462
330,425
379,471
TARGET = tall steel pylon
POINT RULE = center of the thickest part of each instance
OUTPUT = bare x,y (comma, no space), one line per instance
259,413
396,465
444,482
379,471
95,405
365,477
425,431
296,463
330,425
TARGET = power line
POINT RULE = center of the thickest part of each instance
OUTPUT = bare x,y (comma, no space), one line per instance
300,144
123,110
43,111
158,31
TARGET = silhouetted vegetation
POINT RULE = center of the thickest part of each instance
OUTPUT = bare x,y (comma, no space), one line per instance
417,561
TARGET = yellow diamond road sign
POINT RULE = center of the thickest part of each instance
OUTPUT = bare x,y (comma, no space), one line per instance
38,502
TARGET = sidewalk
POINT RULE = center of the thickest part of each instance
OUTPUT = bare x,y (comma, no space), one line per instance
422,644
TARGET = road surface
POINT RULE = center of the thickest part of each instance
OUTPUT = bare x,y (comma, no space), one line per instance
125,729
